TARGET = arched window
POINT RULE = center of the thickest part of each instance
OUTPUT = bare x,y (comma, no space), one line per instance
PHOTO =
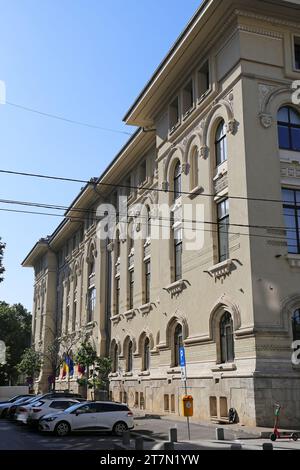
129,364
177,236
296,325
221,144
226,338
177,181
146,358
178,343
115,358
289,129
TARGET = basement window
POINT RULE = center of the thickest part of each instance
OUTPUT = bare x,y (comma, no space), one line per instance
188,97
297,52
203,80
174,114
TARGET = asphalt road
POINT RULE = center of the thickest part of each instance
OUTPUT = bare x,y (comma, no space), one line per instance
16,437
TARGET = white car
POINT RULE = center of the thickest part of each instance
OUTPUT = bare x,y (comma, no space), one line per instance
89,416
33,412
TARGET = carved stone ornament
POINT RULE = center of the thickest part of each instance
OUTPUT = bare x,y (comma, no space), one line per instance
266,120
204,152
232,127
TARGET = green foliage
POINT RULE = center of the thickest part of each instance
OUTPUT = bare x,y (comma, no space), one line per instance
15,331
2,269
31,363
86,355
103,369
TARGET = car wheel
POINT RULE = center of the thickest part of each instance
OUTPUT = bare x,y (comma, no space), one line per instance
62,429
295,437
119,428
273,437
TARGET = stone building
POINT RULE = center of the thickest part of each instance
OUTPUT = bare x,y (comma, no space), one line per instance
212,181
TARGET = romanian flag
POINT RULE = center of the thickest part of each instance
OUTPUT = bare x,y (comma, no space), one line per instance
81,369
68,367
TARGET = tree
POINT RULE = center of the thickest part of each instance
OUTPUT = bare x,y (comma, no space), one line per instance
60,348
15,332
103,368
31,364
87,357
2,269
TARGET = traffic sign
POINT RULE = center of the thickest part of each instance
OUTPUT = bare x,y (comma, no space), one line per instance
183,374
182,357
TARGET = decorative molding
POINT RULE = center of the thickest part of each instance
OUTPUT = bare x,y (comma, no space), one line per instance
224,368
196,192
260,31
266,120
232,126
116,319
129,315
176,288
268,19
204,152
293,260
145,309
222,270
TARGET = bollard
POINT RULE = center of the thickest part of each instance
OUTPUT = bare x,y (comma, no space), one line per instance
268,446
169,446
236,447
139,443
173,435
220,434
126,438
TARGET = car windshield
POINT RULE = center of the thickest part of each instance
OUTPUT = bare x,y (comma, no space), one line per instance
73,408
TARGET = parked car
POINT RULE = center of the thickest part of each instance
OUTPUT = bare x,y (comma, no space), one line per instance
14,412
89,416
31,413
6,407
13,399
14,409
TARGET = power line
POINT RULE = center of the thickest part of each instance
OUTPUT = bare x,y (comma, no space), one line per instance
70,121
140,216
77,219
95,182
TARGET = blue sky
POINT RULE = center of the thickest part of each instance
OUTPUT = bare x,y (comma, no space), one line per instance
86,60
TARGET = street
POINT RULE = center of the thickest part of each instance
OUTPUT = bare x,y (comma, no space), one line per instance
154,431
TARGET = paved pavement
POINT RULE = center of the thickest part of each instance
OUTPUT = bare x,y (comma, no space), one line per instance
155,432
15,437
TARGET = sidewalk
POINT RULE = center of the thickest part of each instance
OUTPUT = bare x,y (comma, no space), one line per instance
234,431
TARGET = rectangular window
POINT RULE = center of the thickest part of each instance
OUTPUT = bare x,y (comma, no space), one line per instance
188,97
131,289
174,113
203,80
147,281
297,53
178,254
117,296
223,229
91,304
291,210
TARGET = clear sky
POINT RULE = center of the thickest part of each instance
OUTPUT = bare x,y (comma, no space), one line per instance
86,60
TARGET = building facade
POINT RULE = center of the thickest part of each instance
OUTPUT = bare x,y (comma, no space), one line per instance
202,214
